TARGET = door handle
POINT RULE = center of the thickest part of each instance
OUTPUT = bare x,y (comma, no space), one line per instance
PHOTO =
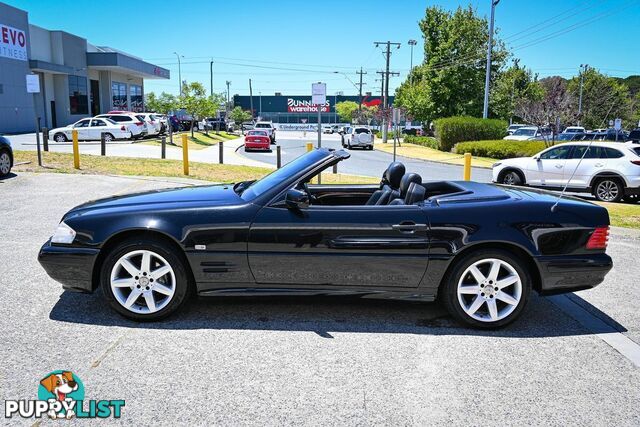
598,165
409,227
559,166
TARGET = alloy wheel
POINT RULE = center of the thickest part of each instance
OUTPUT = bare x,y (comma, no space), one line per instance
607,190
489,290
60,138
5,164
143,282
108,138
509,179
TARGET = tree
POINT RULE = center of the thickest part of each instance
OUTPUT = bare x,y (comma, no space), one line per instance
197,104
162,104
347,110
239,116
603,98
450,82
514,86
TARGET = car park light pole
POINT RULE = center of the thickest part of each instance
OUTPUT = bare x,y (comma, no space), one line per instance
485,110
179,74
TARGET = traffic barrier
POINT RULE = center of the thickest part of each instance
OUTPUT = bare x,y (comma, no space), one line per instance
221,152
45,139
467,166
185,154
278,157
103,144
163,148
76,149
309,146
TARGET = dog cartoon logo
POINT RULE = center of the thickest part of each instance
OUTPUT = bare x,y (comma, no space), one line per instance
63,387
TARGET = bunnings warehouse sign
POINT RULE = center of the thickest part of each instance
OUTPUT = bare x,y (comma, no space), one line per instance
13,43
305,106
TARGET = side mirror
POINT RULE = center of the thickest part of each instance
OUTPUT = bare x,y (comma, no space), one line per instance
296,199
536,158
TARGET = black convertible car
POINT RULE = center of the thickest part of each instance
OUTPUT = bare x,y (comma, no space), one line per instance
481,248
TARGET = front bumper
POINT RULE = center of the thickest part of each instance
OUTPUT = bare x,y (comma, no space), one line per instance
570,273
71,266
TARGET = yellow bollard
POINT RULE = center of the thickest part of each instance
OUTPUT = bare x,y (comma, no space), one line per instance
185,154
76,151
309,146
467,166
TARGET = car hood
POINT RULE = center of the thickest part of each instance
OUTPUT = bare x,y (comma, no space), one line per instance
209,195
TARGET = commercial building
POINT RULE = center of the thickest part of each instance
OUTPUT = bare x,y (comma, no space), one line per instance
76,78
298,108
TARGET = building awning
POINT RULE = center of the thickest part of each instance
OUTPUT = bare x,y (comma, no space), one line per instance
122,63
49,67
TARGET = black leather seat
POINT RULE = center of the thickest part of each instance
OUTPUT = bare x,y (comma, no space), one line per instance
411,190
389,186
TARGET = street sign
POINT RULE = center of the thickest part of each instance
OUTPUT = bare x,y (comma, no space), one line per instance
618,124
319,93
33,83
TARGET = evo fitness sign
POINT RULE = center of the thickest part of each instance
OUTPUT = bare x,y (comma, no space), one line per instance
13,43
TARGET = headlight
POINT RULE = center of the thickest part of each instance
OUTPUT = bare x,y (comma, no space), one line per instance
63,234
495,165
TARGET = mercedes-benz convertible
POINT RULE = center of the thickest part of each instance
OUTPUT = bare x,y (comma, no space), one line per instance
479,248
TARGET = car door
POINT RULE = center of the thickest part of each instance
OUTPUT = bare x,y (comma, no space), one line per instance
97,127
82,127
577,172
547,169
355,246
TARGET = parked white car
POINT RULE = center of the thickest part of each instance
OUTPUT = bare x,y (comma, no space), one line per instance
514,127
133,121
91,130
358,136
154,127
609,171
268,127
574,129
527,133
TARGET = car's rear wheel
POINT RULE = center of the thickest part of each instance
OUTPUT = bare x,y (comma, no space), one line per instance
487,289
5,163
60,137
512,178
144,280
608,190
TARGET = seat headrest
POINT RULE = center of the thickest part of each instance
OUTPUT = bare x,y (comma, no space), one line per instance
415,194
407,180
393,175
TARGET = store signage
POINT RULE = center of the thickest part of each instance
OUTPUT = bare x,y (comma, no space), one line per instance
13,43
305,106
318,93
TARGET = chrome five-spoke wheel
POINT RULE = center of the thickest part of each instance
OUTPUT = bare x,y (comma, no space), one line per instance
489,290
142,281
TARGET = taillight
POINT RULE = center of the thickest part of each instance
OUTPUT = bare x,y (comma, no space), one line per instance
636,162
139,123
122,128
599,238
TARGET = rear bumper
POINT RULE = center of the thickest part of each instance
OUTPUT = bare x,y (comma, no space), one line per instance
570,273
72,267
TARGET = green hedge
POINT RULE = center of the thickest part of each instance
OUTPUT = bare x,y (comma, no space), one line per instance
425,141
452,130
500,149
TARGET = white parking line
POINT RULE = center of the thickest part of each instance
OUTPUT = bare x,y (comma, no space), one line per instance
620,342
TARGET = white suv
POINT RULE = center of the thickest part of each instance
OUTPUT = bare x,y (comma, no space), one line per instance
358,136
134,122
610,171
268,127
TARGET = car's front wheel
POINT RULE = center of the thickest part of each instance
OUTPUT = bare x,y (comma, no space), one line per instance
487,289
512,178
5,163
608,190
60,137
144,280
108,137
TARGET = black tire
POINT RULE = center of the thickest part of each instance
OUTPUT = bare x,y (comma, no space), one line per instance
349,145
449,288
183,285
511,177
60,137
108,137
632,199
608,190
5,162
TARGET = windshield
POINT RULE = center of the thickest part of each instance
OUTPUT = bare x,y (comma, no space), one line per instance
565,137
257,133
263,125
278,176
525,132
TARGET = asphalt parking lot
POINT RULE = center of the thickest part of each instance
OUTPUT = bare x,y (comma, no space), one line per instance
568,360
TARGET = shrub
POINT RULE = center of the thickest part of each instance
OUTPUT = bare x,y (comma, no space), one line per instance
500,149
451,130
425,141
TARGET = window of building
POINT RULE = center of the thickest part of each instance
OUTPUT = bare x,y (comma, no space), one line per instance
78,99
119,96
135,93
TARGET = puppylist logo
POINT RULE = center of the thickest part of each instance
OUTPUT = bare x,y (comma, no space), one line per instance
61,396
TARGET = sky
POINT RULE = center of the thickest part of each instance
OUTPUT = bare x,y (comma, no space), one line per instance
285,45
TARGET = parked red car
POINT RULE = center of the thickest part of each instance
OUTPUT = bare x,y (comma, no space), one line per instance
257,140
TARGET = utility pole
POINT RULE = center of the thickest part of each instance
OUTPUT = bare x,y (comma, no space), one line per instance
251,99
412,43
228,83
387,73
179,74
360,89
485,110
211,75
583,70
